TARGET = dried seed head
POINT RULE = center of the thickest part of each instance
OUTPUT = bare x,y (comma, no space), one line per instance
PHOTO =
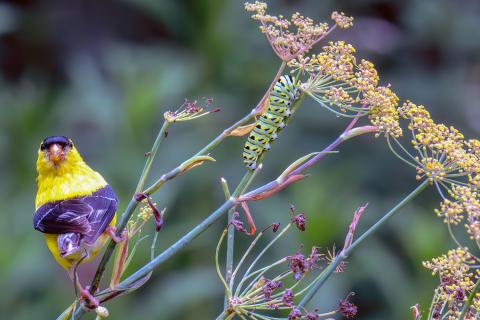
287,297
294,314
300,221
269,287
346,308
190,110
291,37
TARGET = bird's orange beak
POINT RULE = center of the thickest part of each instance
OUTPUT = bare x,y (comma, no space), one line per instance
56,153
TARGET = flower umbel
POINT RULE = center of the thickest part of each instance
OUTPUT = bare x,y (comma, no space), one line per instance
190,110
269,287
349,89
292,37
458,273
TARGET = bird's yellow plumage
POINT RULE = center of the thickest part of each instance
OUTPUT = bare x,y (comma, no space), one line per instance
74,204
69,179
69,262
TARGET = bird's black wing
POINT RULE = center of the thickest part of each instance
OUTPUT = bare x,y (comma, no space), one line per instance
63,217
89,215
105,203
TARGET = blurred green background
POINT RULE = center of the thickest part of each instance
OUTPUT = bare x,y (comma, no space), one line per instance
103,73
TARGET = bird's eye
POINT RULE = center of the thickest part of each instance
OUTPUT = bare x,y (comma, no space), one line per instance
43,146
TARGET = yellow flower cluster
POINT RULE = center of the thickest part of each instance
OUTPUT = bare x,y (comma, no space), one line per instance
340,97
455,264
463,200
342,20
145,211
337,60
452,164
366,78
335,73
431,168
457,279
292,37
383,102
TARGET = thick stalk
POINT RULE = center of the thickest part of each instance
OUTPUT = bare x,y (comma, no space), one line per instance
177,246
186,239
322,278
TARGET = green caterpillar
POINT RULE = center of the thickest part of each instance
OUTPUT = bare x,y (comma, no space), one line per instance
272,121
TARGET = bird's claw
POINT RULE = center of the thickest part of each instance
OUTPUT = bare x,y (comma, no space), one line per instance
90,300
111,230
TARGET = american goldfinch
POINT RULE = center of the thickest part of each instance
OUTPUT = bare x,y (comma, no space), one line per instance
75,207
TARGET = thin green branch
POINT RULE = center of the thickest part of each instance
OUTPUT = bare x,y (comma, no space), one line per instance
245,255
217,263
151,155
230,240
259,256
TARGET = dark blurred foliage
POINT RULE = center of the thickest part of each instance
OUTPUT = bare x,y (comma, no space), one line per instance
103,72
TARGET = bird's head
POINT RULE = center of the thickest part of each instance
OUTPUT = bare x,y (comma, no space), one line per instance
55,152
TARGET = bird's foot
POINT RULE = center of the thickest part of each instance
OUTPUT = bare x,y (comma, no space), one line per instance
91,301
111,230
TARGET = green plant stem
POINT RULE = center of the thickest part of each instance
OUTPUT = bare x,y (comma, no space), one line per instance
470,300
182,242
170,251
151,155
130,207
242,186
230,240
186,239
322,278
218,139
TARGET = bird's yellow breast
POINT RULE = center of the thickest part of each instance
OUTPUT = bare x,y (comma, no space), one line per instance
73,178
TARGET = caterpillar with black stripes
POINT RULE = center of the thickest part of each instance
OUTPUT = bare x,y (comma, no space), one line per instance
272,121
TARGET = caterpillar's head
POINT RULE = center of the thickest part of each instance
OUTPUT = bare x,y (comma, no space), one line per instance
55,152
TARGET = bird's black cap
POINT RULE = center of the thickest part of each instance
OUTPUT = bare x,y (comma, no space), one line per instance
61,140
